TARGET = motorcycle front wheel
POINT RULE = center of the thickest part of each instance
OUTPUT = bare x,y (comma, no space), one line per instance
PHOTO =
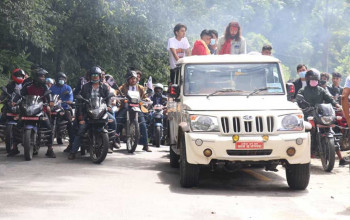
157,136
28,144
99,147
327,153
133,137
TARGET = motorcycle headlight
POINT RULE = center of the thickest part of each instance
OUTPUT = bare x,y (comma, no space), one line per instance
327,120
292,123
204,123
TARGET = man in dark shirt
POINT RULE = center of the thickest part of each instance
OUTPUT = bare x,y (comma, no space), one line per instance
336,90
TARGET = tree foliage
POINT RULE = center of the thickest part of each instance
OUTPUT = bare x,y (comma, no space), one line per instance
73,35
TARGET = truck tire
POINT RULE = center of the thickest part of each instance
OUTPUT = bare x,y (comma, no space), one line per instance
174,159
298,176
189,173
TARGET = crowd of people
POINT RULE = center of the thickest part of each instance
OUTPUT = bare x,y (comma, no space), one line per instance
94,84
312,84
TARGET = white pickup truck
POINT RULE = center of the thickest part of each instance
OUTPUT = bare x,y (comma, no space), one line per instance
232,111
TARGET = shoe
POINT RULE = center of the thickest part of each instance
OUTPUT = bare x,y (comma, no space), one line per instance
50,153
110,151
116,145
146,148
343,162
71,156
13,152
59,141
35,152
67,150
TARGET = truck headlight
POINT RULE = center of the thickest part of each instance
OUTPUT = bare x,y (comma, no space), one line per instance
204,123
292,123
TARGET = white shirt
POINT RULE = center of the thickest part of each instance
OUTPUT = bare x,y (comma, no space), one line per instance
180,48
303,84
132,88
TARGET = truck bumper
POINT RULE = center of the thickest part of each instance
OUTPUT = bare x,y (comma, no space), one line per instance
223,148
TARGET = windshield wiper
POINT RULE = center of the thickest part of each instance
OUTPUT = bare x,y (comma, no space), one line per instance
256,91
224,90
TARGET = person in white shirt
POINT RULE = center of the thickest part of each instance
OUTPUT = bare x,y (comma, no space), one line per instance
178,47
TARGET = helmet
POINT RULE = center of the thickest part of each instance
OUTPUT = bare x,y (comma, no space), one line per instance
18,76
37,73
158,85
95,70
131,74
49,80
312,74
61,75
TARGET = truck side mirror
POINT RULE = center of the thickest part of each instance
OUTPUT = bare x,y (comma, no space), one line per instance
174,91
290,91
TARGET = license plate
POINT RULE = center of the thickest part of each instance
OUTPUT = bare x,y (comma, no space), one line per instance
250,145
53,113
30,118
11,114
134,105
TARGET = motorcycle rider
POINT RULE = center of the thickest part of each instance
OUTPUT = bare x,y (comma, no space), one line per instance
94,88
38,88
132,84
157,98
66,95
16,84
315,94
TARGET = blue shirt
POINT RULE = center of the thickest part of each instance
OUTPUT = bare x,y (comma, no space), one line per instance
59,90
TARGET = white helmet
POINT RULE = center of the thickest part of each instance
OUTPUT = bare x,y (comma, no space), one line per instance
158,85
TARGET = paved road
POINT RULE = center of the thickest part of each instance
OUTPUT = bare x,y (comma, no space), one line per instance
144,186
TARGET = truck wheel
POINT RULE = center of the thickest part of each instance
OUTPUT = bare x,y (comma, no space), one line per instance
298,176
174,159
189,173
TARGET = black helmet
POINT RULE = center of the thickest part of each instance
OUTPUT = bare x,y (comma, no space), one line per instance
61,75
131,74
312,74
40,72
95,70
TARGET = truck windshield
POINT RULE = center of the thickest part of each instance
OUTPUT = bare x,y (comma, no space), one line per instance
233,79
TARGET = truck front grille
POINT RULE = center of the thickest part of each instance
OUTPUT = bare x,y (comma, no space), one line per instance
258,124
248,152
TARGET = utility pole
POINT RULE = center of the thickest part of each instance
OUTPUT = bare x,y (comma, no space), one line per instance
326,40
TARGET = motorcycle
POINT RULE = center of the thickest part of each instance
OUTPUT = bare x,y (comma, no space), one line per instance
58,122
132,104
31,115
9,130
343,129
157,125
322,118
97,137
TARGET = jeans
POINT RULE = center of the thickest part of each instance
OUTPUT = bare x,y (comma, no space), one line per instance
121,119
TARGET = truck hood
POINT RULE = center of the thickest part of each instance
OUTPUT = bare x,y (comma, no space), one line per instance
238,103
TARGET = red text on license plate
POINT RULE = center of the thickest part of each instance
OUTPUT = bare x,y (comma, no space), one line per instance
30,118
250,145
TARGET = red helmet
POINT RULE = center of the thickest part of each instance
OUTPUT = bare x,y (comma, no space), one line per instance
18,76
